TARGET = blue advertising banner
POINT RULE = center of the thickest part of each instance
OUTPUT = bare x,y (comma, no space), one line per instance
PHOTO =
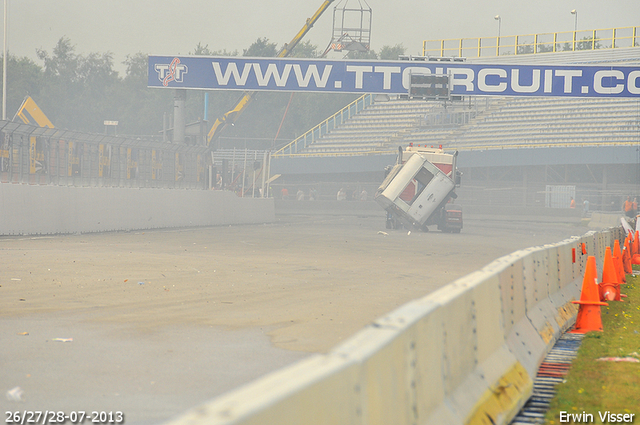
390,77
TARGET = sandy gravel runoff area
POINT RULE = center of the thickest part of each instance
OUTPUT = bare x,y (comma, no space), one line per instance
152,323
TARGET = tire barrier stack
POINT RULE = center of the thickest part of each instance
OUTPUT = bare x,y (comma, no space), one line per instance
465,354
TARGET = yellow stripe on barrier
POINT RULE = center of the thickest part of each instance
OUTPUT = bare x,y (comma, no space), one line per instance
566,313
547,333
504,399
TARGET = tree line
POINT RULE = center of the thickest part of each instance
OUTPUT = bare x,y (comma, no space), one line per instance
79,92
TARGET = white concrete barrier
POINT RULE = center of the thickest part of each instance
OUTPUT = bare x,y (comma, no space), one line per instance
600,220
465,354
32,209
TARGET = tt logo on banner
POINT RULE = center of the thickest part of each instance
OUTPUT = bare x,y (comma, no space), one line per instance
171,72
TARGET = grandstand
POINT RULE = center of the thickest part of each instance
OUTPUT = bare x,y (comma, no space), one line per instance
540,122
374,129
484,124
590,143
489,123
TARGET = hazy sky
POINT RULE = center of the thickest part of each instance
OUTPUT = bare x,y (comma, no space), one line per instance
175,27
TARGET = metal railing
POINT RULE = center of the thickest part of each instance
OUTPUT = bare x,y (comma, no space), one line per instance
243,171
326,126
568,41
560,144
50,156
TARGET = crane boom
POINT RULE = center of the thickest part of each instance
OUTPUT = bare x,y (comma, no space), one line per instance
231,116
30,113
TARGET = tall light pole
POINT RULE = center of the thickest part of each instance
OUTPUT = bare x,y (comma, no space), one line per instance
575,28
4,66
499,19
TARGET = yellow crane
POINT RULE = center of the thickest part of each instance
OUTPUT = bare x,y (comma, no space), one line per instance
231,116
30,113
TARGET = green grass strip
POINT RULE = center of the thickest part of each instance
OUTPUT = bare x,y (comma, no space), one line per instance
595,388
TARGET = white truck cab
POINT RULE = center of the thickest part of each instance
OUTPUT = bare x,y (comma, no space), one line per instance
418,188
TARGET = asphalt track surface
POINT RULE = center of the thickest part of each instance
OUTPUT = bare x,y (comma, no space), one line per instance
164,320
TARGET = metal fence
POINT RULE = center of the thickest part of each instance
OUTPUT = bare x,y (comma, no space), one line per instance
245,171
38,155
326,126
607,38
557,196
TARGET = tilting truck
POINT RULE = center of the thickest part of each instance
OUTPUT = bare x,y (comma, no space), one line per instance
419,190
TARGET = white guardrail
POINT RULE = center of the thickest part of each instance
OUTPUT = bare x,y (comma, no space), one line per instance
465,354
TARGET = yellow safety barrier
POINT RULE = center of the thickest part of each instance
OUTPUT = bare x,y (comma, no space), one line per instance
568,41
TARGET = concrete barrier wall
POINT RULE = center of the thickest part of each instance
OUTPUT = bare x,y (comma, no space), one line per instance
601,220
32,209
465,354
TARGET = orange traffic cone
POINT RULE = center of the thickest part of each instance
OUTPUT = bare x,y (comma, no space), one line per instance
609,285
617,260
584,248
589,318
626,257
636,244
